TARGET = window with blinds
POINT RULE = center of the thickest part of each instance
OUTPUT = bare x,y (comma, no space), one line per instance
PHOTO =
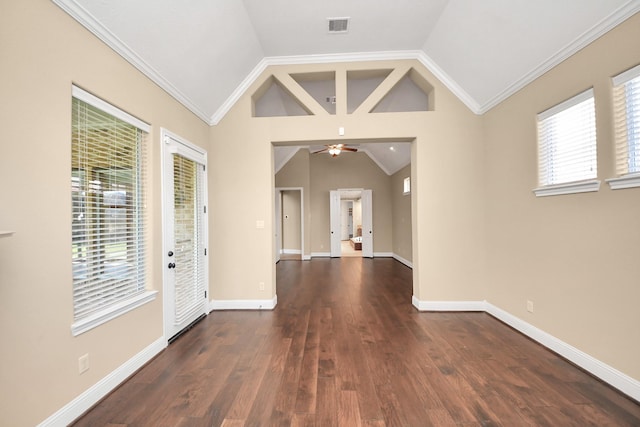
107,192
567,141
626,104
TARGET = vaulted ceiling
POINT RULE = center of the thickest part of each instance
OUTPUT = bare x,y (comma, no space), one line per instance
206,52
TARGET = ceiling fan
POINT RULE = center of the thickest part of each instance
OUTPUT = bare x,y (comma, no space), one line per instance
335,149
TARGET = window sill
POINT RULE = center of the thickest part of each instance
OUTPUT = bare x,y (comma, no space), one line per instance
568,188
111,312
626,181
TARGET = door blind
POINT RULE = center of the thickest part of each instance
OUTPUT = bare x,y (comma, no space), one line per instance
188,238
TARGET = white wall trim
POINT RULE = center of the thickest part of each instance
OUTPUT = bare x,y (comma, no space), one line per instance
78,406
87,20
617,17
606,373
383,254
292,251
320,254
625,181
109,313
403,260
243,304
597,368
568,188
306,257
448,305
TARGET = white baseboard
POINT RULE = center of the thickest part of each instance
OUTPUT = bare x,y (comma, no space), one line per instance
78,406
608,374
597,368
383,255
291,251
306,257
402,260
244,304
448,305
320,254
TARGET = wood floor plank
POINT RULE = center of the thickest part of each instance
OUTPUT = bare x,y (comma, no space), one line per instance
345,346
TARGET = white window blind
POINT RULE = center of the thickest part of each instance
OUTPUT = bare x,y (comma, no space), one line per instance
108,220
567,141
626,104
188,237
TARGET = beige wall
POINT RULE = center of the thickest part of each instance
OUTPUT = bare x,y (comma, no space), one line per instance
447,210
574,256
349,170
44,51
401,214
477,232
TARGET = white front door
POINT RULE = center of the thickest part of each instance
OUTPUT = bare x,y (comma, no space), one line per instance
367,223
185,278
334,214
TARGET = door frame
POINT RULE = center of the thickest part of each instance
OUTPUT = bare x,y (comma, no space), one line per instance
278,221
335,219
186,149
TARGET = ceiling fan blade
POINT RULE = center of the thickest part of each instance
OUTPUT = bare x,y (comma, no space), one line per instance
321,151
349,149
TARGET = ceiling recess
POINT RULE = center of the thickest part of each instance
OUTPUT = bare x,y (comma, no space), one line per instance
338,25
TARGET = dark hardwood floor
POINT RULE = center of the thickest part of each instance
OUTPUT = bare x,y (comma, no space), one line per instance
345,347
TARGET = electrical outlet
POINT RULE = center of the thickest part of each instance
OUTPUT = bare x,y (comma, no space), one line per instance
530,306
261,286
83,363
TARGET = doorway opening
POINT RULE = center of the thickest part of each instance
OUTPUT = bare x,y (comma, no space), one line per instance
289,227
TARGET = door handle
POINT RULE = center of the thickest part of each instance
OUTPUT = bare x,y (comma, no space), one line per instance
172,265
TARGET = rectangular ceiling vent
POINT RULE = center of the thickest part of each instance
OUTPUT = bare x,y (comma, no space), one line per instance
338,25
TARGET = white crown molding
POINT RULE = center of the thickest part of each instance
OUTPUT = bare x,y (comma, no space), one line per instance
88,21
94,26
78,406
623,13
286,159
244,304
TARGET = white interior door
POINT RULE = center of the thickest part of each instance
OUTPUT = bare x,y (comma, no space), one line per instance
334,210
367,223
185,278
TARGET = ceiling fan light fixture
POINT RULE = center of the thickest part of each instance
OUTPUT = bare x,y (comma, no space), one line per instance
334,151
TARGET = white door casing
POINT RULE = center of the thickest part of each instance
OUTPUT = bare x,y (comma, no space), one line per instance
334,213
185,236
367,223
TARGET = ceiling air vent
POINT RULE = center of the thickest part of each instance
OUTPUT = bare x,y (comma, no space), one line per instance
338,25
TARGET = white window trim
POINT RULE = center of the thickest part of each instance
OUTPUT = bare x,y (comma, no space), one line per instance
586,186
111,312
108,313
568,188
626,181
